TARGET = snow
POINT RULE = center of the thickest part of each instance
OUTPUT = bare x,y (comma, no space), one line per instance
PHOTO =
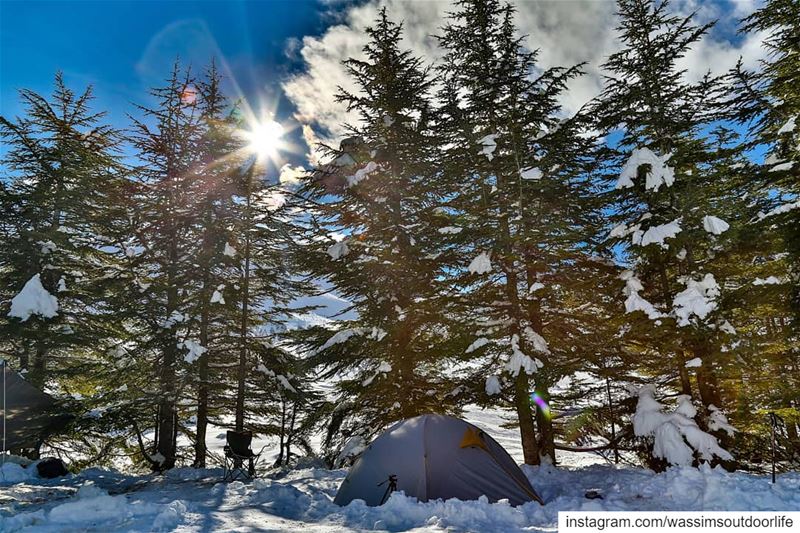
782,166
450,230
194,350
493,385
481,264
657,234
726,327
535,287
537,341
519,361
15,473
785,208
301,500
33,299
217,297
489,146
345,335
362,173
176,317
717,421
788,127
47,247
229,250
659,174
714,225
619,231
531,174
479,343
771,280
694,363
699,299
338,250
383,368
352,448
285,383
187,499
634,302
676,436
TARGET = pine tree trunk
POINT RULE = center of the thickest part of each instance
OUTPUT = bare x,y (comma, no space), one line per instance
202,361
279,460
527,430
167,413
683,373
242,367
544,423
706,378
707,385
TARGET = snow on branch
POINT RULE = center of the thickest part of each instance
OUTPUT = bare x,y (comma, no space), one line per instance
33,299
699,299
634,302
659,174
676,436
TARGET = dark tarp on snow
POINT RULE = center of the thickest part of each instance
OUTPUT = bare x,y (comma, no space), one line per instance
435,457
30,414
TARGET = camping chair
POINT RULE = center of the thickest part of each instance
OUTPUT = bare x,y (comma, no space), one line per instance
237,451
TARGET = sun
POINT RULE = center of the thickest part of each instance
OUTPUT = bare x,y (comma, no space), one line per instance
264,138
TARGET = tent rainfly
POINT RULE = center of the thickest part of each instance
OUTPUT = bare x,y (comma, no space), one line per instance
29,414
434,457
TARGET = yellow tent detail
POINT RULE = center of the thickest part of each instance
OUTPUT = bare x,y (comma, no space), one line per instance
472,437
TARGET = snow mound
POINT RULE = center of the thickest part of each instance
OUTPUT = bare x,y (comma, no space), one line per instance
33,299
15,473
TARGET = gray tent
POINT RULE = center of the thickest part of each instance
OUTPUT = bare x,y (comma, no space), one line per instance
28,413
435,457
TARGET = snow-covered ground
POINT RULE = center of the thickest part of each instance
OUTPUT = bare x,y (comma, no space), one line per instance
301,500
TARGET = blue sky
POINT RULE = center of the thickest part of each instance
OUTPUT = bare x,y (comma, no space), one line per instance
124,47
288,53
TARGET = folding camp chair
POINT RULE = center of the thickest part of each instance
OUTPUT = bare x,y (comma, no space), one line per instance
237,452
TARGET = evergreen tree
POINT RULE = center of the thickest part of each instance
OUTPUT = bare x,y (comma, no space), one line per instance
520,198
61,172
767,101
680,213
163,245
379,195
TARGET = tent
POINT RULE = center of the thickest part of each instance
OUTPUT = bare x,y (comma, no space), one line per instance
29,414
435,457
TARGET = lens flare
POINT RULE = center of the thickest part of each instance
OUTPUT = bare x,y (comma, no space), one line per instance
264,138
541,404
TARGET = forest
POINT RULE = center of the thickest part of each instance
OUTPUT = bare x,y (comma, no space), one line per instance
621,281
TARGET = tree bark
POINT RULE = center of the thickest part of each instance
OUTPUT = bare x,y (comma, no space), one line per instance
242,367
544,423
527,430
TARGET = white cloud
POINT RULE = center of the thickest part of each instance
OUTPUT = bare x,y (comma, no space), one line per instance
567,33
291,175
